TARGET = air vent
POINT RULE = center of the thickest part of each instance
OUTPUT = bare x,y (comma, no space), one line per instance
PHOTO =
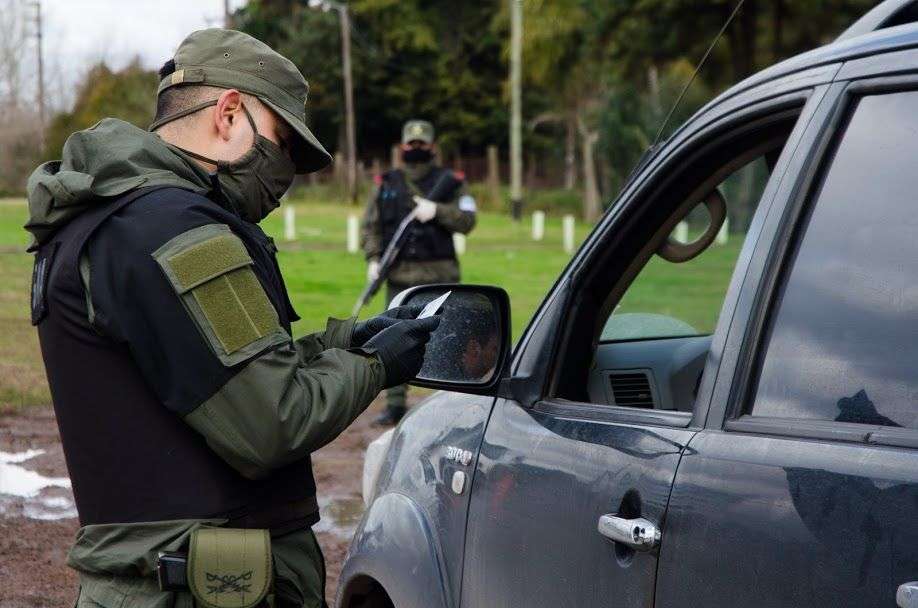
632,389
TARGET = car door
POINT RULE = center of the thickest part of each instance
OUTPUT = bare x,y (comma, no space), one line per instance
575,470
802,490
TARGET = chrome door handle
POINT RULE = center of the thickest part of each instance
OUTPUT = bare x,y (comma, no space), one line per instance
907,595
639,533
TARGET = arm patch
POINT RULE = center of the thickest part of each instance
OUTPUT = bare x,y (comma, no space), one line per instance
211,271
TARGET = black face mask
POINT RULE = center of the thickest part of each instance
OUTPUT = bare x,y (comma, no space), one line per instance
416,155
254,182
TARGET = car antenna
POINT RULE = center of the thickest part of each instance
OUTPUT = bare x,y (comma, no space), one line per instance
695,73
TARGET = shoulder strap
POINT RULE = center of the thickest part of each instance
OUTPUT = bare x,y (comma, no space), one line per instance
72,242
87,223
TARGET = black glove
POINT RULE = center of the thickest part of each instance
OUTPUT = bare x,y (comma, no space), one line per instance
364,330
401,348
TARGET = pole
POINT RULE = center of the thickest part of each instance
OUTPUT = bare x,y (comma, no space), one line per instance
41,74
353,234
348,103
516,106
289,223
227,15
567,228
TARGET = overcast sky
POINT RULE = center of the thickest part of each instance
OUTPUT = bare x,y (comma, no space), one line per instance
81,32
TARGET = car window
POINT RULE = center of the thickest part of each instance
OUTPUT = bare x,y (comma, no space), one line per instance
647,303
669,300
842,343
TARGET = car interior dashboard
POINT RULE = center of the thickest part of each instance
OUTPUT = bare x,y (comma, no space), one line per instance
660,374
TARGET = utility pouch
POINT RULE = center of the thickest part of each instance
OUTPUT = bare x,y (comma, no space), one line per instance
230,568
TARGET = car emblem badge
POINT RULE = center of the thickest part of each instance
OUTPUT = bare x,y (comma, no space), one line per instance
458,455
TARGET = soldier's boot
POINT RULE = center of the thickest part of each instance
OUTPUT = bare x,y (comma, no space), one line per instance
395,406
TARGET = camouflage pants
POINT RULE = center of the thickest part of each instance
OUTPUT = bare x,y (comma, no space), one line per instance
299,581
397,396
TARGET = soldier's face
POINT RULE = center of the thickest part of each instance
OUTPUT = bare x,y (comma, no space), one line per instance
417,145
232,132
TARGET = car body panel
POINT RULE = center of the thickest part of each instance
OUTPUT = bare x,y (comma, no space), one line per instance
414,497
781,522
543,481
395,541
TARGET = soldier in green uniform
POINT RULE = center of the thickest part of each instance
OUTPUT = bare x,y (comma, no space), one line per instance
187,412
428,255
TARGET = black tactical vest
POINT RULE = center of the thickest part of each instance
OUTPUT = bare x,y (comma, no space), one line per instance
425,242
130,459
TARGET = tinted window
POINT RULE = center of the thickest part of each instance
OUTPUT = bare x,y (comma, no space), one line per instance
843,344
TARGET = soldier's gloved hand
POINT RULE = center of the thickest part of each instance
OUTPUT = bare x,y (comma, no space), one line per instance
364,330
372,270
401,348
424,210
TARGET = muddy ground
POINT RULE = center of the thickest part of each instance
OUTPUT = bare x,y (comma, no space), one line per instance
33,551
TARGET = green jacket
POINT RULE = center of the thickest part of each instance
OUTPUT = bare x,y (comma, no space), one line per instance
178,281
450,215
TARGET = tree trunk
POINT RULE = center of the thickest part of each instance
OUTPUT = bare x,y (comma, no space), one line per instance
653,85
531,171
588,139
493,175
742,37
570,154
777,31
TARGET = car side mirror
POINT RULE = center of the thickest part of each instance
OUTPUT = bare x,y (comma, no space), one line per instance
469,350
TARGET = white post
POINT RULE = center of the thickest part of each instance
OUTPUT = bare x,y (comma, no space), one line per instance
723,235
681,232
353,226
538,225
289,223
568,229
459,243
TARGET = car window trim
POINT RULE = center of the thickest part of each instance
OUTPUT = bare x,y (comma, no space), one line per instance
598,412
779,256
713,131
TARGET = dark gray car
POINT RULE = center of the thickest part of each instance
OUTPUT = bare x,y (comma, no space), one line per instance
750,442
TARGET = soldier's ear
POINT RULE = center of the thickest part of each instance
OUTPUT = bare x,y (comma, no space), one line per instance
227,113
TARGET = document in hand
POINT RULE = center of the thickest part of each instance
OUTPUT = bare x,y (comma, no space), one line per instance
434,306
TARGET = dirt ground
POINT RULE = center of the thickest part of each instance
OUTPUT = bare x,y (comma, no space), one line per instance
33,551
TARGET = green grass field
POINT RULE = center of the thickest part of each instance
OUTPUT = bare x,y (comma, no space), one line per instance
324,280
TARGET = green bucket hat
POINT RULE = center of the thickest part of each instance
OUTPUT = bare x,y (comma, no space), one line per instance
418,130
233,60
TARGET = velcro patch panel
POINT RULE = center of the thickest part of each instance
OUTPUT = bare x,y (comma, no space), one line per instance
211,271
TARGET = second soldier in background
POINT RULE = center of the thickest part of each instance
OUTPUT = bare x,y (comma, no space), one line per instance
428,255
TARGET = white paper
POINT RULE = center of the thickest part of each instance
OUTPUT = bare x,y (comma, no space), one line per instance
433,306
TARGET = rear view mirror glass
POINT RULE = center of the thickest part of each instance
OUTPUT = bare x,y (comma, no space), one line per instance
470,345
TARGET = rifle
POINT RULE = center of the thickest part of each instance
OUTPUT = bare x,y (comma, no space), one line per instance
444,187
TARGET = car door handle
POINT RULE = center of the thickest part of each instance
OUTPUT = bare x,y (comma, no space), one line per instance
639,533
907,595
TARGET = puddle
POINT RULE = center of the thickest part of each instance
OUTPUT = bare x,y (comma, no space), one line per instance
29,494
340,515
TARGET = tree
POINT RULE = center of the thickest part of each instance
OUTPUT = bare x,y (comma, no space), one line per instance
19,124
128,94
412,58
